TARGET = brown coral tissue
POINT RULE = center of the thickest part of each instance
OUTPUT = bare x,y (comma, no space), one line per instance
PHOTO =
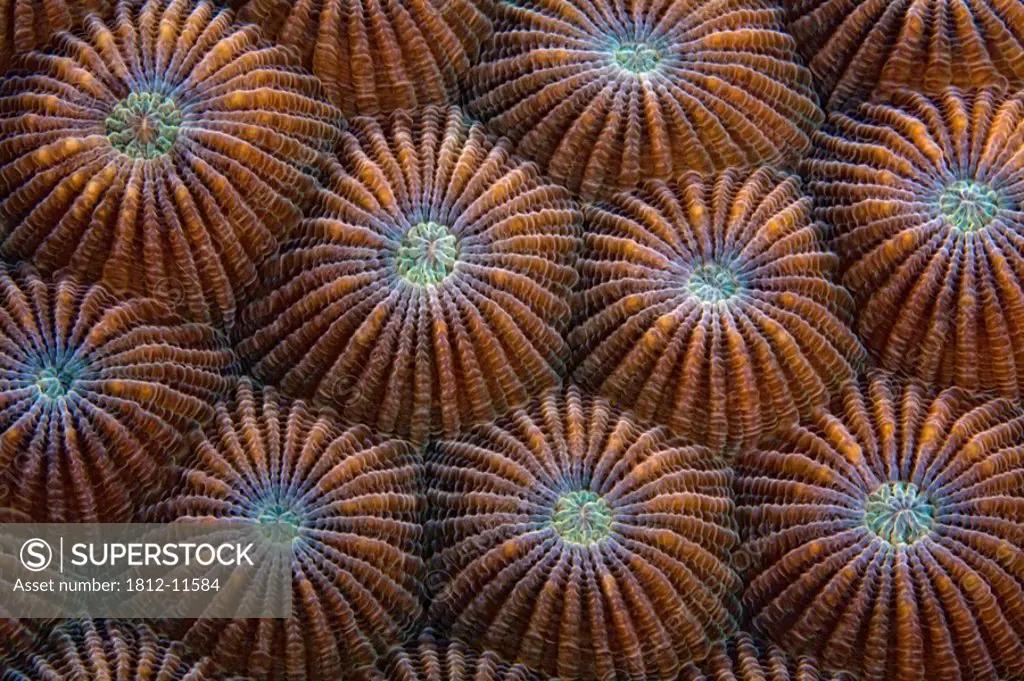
27,25
16,636
432,658
350,501
165,153
707,304
581,543
106,650
431,288
885,535
603,94
95,392
745,658
374,57
860,48
925,197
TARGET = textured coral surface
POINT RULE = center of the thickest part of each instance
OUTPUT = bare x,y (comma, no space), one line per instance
707,304
604,94
106,650
860,48
164,153
885,536
514,322
15,637
351,500
432,658
27,25
18,638
95,392
431,288
925,198
581,543
374,57
744,658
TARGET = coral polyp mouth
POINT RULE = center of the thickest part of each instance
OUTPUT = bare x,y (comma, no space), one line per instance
969,206
900,513
55,382
582,517
637,58
427,254
144,125
283,523
712,283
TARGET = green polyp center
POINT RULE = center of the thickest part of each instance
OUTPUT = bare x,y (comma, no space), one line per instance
427,254
55,382
144,125
637,57
899,513
969,206
582,517
283,523
713,282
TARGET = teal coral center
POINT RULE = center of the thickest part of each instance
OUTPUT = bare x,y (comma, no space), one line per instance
582,517
969,206
712,282
283,524
900,513
144,125
55,381
427,254
637,57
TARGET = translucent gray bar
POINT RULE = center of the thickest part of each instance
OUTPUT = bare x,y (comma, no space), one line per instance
210,569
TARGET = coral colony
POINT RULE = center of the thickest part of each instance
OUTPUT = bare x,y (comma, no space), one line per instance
575,340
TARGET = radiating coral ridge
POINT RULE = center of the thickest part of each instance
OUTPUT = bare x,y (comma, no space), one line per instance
603,95
346,500
884,535
95,394
163,151
577,541
94,650
743,657
144,125
431,657
925,200
375,57
27,25
18,638
899,513
430,287
707,304
861,49
427,253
